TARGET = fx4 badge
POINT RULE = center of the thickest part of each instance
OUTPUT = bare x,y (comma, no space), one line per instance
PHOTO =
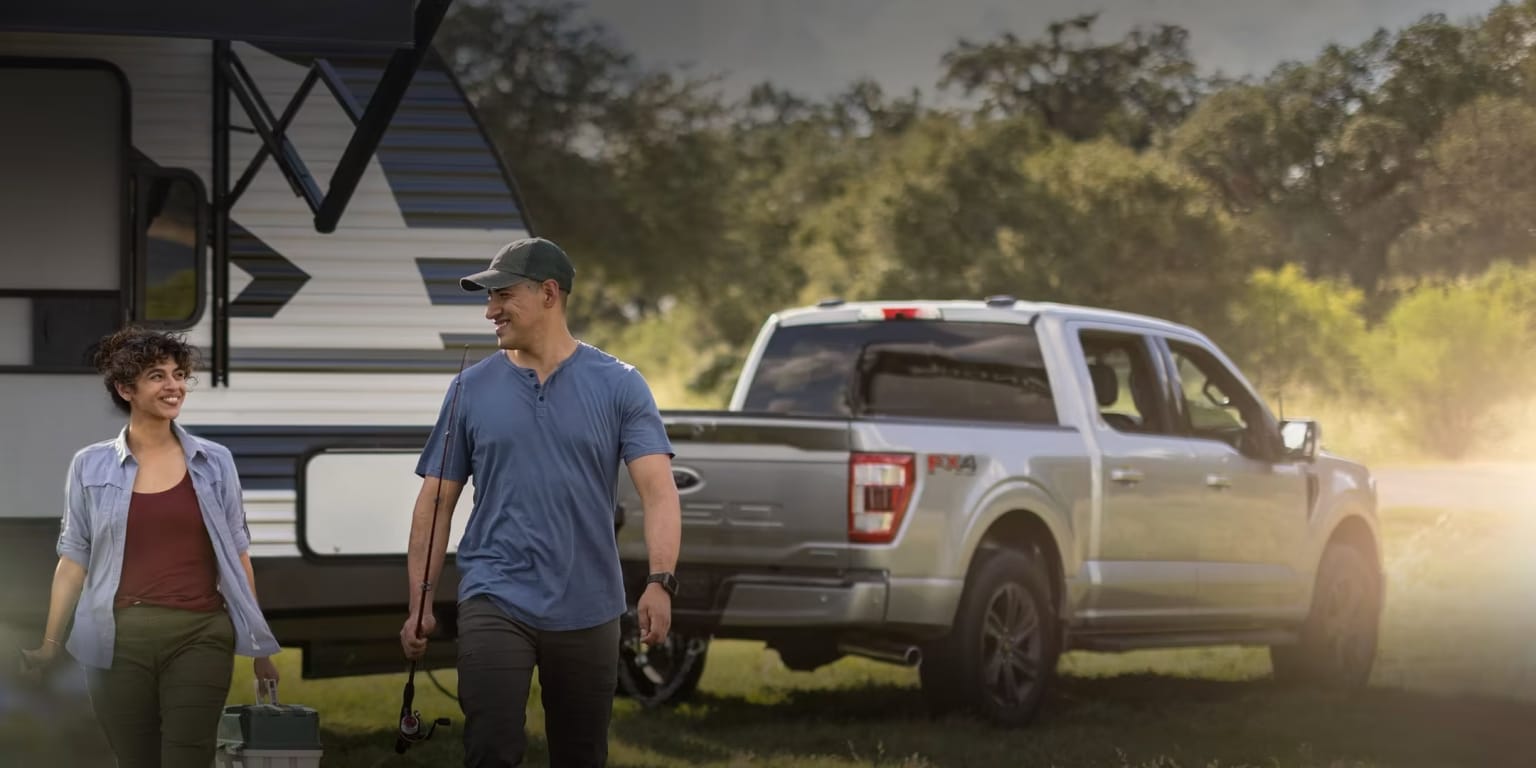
958,463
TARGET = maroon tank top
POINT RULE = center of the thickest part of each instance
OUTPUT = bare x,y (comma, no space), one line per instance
168,559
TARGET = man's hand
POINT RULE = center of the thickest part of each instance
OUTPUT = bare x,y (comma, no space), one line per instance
655,609
264,669
415,643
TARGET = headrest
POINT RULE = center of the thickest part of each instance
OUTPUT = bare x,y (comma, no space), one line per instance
1106,385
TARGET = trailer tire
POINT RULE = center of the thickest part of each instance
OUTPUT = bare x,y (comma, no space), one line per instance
999,657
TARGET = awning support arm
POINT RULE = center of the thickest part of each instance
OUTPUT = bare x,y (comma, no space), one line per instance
369,123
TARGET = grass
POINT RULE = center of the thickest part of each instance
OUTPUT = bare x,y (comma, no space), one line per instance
1455,686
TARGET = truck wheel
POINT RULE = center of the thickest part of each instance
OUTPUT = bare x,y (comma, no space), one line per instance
664,674
1337,645
1000,655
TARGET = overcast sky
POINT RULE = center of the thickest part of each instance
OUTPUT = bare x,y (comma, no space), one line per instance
817,46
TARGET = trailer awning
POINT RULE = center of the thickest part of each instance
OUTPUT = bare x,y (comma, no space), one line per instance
361,23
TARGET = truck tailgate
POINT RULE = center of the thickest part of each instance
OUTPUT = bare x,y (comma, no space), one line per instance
755,491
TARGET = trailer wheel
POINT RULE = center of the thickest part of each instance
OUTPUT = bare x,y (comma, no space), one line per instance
1337,646
1000,656
663,674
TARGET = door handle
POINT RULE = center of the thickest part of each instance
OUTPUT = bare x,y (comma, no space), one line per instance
1126,476
1218,482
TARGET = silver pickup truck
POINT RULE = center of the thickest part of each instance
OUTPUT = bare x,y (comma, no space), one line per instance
974,487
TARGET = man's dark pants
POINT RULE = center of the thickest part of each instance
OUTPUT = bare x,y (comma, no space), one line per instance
577,672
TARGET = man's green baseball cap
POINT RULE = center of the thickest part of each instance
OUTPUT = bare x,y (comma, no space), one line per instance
531,258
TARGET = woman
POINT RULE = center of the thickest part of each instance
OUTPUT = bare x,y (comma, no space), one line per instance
153,562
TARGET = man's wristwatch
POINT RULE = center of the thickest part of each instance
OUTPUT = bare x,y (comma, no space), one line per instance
666,580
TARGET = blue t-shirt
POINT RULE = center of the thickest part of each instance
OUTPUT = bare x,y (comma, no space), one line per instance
545,459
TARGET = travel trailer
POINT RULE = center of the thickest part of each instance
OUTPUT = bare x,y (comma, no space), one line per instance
297,187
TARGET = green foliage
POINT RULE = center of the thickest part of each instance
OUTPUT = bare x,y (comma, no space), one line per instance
674,355
926,218
1446,357
1477,192
1515,285
1124,231
175,298
1294,334
1130,91
955,212
1326,154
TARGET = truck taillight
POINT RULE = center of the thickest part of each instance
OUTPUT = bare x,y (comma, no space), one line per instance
879,489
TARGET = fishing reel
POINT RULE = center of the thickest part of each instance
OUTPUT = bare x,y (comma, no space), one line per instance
409,732
654,674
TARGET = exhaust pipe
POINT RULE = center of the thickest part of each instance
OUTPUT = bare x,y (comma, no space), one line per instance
905,654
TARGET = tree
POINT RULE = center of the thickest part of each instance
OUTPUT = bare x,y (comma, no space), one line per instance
1514,285
1476,194
1447,357
1125,231
925,218
954,212
1130,91
1505,39
1292,335
1328,152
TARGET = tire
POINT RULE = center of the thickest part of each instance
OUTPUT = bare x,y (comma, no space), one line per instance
1000,655
664,674
1337,643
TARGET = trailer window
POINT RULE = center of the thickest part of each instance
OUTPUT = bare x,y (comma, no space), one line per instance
990,372
64,226
171,214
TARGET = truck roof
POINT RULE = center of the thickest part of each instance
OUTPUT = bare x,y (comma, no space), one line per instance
1004,309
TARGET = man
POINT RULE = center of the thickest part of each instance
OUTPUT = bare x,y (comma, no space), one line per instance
542,426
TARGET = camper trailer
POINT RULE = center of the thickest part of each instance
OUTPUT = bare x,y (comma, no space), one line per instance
297,187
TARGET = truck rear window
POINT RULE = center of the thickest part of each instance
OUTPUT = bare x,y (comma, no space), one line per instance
909,368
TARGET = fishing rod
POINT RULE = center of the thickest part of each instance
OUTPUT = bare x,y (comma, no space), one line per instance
410,720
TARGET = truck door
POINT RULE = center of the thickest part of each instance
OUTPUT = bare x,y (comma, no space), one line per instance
1144,546
1254,510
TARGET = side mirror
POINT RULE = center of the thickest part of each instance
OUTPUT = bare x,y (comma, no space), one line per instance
1300,437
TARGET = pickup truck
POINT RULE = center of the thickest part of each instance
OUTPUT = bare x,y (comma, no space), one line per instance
975,487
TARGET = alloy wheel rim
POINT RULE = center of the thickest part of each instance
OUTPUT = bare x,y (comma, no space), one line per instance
1345,635
1010,646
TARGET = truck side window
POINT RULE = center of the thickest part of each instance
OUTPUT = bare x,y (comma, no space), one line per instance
1124,385
964,371
1217,407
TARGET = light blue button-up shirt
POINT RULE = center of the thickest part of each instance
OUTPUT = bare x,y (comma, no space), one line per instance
95,526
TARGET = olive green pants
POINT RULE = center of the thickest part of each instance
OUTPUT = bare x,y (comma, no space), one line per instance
161,701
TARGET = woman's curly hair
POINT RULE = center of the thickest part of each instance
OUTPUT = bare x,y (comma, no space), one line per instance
121,357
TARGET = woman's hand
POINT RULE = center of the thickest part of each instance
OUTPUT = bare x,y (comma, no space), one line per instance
33,662
264,669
